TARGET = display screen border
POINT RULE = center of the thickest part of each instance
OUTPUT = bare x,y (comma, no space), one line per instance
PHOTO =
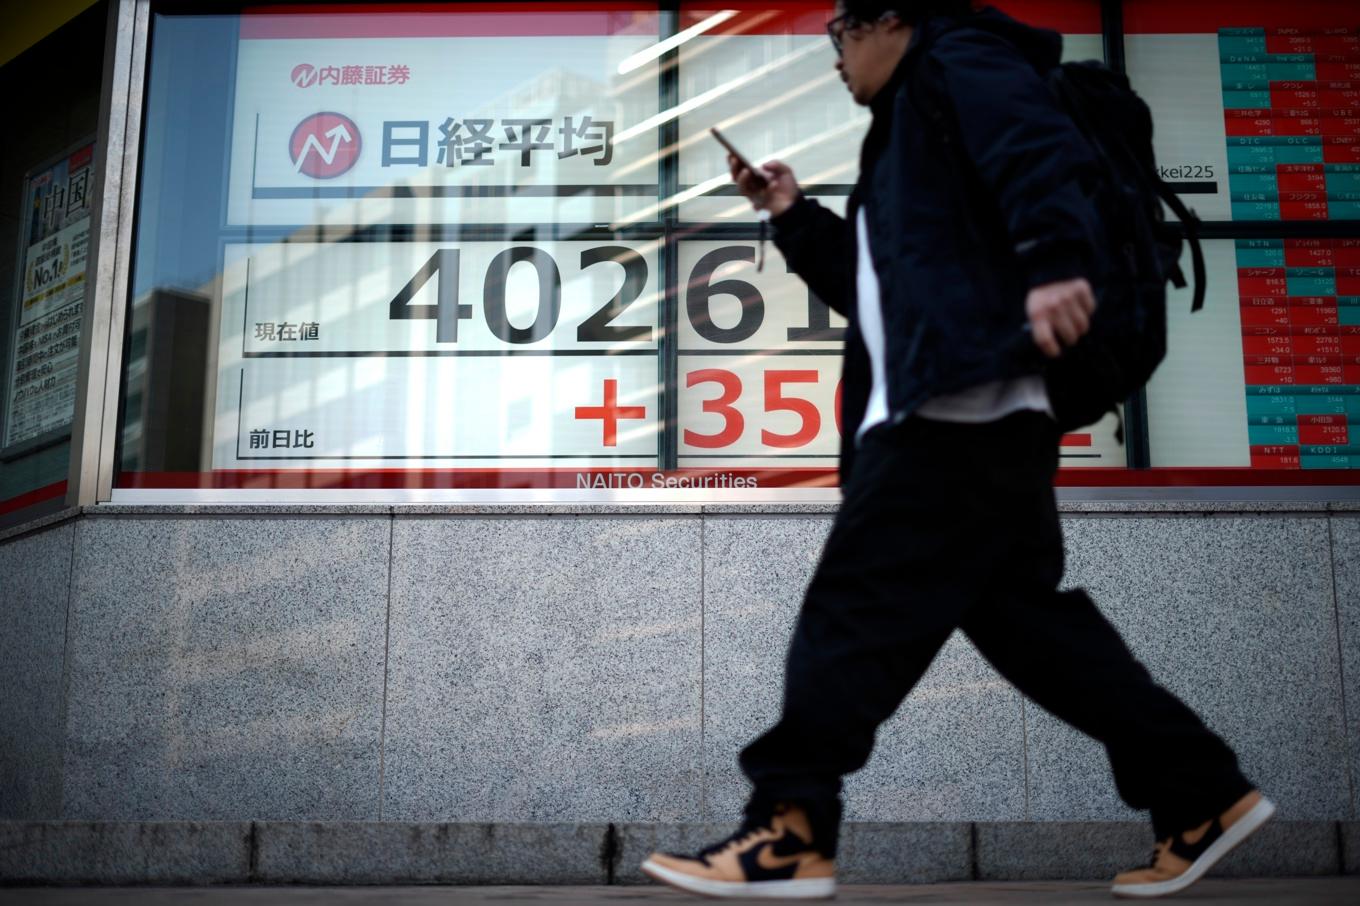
1085,482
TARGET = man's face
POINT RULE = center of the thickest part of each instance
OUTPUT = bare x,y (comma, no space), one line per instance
870,52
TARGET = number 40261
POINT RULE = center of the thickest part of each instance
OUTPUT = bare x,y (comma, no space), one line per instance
444,266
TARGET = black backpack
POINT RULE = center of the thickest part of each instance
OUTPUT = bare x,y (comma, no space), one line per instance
1127,339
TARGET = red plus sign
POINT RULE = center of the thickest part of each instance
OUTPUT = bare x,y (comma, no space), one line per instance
611,412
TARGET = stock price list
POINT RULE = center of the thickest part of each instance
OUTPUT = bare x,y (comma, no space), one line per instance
1291,100
1300,309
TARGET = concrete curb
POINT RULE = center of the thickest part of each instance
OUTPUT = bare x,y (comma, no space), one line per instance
368,853
92,852
1349,841
393,853
1072,502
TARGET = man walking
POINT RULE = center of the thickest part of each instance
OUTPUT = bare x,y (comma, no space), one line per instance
968,256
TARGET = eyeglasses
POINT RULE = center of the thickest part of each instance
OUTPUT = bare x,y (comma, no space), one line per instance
837,27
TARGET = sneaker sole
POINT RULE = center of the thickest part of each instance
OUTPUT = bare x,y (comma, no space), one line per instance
1243,828
806,889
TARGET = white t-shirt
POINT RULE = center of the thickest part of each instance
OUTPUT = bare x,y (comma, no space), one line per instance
987,402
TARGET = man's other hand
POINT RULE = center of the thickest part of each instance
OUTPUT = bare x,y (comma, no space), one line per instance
774,190
1060,314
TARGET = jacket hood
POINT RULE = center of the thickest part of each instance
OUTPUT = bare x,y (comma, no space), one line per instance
1040,47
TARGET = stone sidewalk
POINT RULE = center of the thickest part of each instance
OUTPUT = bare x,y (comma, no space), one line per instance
392,854
1277,892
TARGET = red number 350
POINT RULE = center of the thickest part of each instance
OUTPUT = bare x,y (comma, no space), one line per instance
734,423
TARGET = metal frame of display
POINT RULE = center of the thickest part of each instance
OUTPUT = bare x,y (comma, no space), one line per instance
668,137
117,151
95,429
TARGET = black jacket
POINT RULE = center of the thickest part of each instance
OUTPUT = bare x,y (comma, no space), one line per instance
976,187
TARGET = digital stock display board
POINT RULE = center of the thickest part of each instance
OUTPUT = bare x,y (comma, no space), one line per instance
535,357
1257,107
492,246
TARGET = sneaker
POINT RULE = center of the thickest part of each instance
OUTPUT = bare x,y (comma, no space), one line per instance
1179,861
773,859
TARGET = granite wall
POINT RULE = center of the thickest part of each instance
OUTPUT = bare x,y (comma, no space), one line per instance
588,665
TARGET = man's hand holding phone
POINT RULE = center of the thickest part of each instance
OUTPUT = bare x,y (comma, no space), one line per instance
770,187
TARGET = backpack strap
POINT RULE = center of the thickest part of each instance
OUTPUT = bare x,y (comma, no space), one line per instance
1152,181
1191,223
928,98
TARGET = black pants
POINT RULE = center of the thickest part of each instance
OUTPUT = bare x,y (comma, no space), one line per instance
945,527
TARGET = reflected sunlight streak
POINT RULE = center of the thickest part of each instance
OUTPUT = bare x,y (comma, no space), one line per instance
728,123
715,182
642,57
713,94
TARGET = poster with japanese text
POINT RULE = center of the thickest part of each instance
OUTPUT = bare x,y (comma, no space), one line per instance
41,385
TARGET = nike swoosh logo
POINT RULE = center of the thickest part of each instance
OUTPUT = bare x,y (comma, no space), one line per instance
773,862
1190,850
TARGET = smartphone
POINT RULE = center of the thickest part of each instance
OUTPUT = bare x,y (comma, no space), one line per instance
741,158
